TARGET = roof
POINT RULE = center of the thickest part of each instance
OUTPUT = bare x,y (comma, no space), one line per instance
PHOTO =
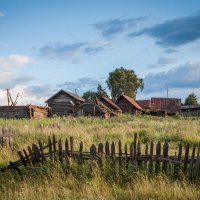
185,107
102,105
110,102
144,103
75,96
131,101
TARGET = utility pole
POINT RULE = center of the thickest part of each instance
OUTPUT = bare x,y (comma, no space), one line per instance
167,92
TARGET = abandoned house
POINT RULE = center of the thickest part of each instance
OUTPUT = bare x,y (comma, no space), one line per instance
64,103
165,106
128,105
111,105
144,104
93,108
191,110
19,112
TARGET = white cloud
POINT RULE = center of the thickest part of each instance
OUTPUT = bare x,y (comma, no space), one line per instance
14,61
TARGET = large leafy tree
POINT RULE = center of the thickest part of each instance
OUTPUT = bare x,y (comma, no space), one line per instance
124,81
90,95
191,99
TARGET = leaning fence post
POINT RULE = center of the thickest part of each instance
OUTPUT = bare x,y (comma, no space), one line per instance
27,157
22,158
42,151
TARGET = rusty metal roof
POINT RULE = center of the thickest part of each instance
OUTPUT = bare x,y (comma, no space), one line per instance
144,104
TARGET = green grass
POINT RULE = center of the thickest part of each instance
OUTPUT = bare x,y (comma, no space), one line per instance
80,182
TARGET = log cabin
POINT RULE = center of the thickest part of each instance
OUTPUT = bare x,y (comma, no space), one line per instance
28,112
128,105
111,105
93,108
64,103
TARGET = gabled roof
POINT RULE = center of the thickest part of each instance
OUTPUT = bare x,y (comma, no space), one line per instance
131,101
110,102
75,96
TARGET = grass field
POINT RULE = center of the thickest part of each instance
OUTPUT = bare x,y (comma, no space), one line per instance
52,182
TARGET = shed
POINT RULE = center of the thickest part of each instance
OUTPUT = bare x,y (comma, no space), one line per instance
171,106
19,112
93,108
64,103
191,110
128,105
111,105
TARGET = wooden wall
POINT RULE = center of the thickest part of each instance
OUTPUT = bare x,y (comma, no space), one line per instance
62,104
191,112
126,106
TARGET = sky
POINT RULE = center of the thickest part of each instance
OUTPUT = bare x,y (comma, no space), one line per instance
50,45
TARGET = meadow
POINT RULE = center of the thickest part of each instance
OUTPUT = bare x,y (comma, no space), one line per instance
53,182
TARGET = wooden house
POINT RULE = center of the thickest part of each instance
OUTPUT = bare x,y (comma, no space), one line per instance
111,105
19,112
93,108
190,110
64,103
167,106
128,105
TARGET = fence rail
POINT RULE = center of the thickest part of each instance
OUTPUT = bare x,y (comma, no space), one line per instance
155,159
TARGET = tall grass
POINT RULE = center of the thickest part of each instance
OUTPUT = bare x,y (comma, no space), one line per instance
81,182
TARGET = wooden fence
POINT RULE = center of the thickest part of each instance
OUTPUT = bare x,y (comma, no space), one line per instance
154,158
6,138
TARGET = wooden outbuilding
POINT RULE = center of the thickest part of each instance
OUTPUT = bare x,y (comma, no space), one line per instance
93,108
169,106
64,103
20,112
190,110
111,105
128,105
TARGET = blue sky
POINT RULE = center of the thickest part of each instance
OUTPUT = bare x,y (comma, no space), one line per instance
49,45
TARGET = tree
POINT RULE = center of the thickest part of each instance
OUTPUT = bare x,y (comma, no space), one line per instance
90,95
124,81
191,99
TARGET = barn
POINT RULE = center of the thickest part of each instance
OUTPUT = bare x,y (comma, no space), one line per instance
64,103
111,105
191,110
128,105
93,108
167,106
20,112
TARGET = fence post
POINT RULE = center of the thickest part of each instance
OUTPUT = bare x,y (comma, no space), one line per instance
93,152
126,156
120,154
151,158
135,149
100,149
50,148
131,152
60,151
27,158
165,155
113,151
158,153
54,147
187,148
22,158
36,152
80,151
72,146
42,151
197,161
66,147
107,149
139,154
192,161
